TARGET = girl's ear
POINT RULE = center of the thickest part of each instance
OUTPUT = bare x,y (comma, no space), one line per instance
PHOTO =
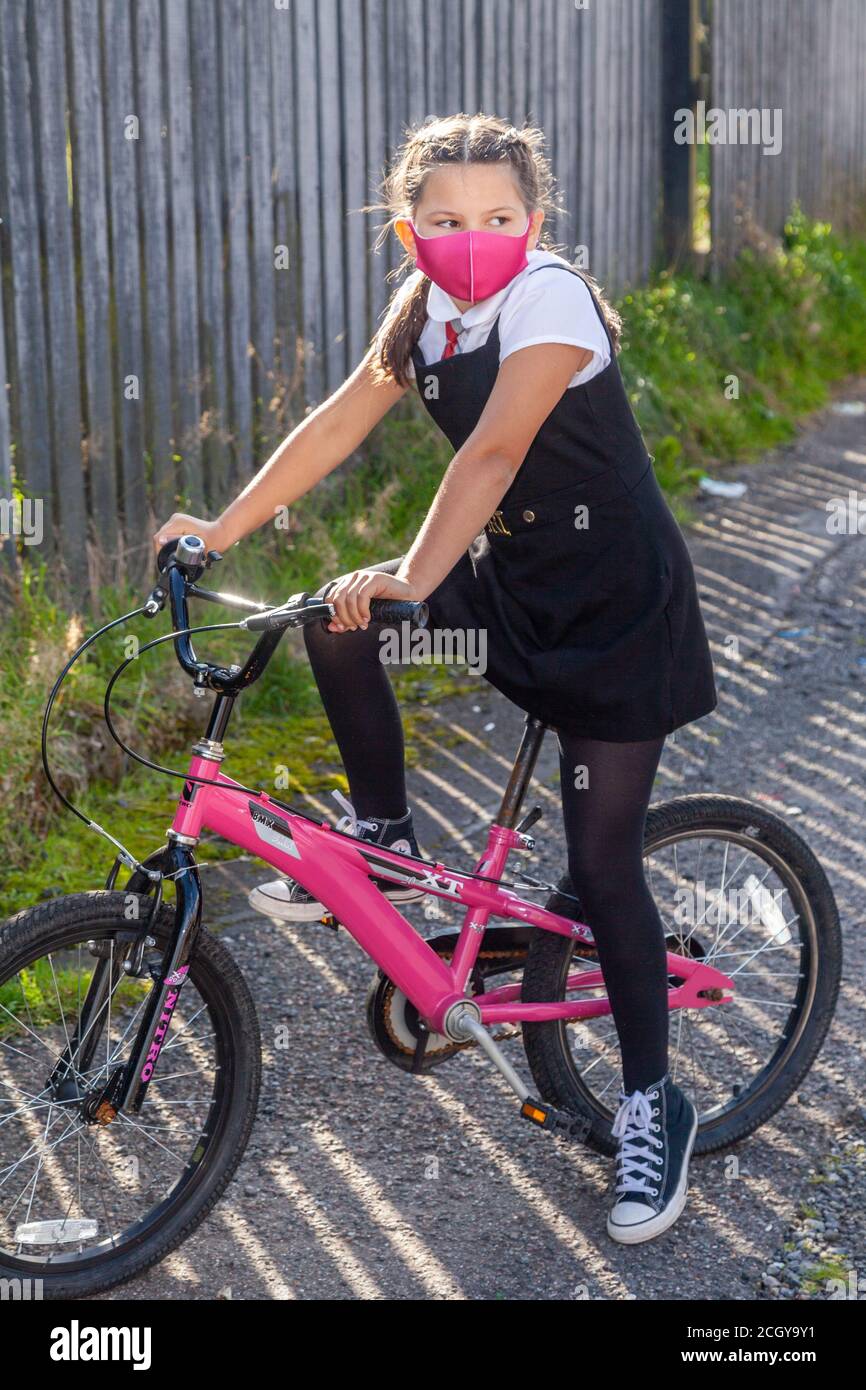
535,224
404,233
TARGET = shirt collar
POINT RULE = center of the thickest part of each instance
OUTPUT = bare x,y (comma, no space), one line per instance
441,306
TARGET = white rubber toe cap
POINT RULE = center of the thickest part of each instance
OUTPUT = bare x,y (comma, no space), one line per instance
631,1214
273,900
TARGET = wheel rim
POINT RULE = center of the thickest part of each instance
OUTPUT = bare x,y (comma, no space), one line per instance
61,1177
727,1055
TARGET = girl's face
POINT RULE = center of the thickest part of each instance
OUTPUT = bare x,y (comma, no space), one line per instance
470,198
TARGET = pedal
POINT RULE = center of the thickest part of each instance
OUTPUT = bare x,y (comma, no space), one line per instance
575,1127
329,920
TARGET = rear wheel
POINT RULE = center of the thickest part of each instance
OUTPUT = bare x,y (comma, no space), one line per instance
736,886
84,1206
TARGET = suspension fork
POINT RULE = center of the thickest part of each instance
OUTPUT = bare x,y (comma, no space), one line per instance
109,968
127,1086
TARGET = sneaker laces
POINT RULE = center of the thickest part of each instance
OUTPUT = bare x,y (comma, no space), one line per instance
350,821
632,1127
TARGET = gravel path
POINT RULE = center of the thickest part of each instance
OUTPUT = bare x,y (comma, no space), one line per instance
362,1182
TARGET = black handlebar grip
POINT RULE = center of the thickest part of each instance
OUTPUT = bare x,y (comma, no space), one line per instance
266,622
398,610
166,553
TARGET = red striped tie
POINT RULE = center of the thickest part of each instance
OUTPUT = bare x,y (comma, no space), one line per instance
451,340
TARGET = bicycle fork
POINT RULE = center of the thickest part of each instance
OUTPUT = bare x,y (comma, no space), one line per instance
126,1086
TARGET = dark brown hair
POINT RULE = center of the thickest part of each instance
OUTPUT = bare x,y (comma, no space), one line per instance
458,139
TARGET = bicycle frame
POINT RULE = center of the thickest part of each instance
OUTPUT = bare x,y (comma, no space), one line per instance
337,868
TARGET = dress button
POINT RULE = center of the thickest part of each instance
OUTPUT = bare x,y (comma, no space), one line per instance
528,515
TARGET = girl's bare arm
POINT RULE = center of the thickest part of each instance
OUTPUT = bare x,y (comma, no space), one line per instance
316,446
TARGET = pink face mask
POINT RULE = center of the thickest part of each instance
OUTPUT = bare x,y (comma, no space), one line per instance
471,265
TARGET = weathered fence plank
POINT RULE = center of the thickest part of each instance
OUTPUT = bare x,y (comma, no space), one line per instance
414,62
333,208
452,21
309,197
209,217
184,279
356,194
470,45
90,194
283,137
8,550
375,69
121,149
262,271
154,245
64,398
236,194
29,363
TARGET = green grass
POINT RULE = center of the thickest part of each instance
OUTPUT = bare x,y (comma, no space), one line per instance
777,330
785,324
41,995
815,1278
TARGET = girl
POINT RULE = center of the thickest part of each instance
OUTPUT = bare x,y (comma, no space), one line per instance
550,533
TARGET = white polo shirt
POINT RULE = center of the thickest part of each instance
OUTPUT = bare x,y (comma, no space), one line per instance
553,308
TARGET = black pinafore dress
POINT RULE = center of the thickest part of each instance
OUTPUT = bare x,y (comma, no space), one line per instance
581,582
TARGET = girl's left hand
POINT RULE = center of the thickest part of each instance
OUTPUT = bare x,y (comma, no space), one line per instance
351,596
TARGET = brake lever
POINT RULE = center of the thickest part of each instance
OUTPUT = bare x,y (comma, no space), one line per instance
155,601
289,615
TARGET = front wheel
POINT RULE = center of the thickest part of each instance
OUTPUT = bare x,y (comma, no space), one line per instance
84,1207
737,887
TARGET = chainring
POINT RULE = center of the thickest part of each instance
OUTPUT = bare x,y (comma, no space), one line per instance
393,1020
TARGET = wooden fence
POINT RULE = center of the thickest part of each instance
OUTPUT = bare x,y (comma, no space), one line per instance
181,190
803,65
181,184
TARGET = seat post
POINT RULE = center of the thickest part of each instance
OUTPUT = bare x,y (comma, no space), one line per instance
521,773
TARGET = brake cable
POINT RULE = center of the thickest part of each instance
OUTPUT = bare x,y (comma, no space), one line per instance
125,855
529,883
146,762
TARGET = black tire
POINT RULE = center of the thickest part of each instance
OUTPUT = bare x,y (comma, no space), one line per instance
561,1081
217,980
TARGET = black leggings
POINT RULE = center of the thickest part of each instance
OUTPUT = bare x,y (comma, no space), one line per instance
606,789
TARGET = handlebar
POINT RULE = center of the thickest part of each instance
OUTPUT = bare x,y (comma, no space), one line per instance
182,561
382,610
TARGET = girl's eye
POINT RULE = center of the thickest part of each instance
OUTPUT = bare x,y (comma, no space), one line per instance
499,220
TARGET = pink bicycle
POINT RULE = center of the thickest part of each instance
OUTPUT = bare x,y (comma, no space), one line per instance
129,1043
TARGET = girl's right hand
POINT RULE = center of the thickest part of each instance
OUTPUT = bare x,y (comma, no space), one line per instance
180,524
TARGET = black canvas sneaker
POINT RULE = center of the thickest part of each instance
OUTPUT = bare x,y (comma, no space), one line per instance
656,1129
289,901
